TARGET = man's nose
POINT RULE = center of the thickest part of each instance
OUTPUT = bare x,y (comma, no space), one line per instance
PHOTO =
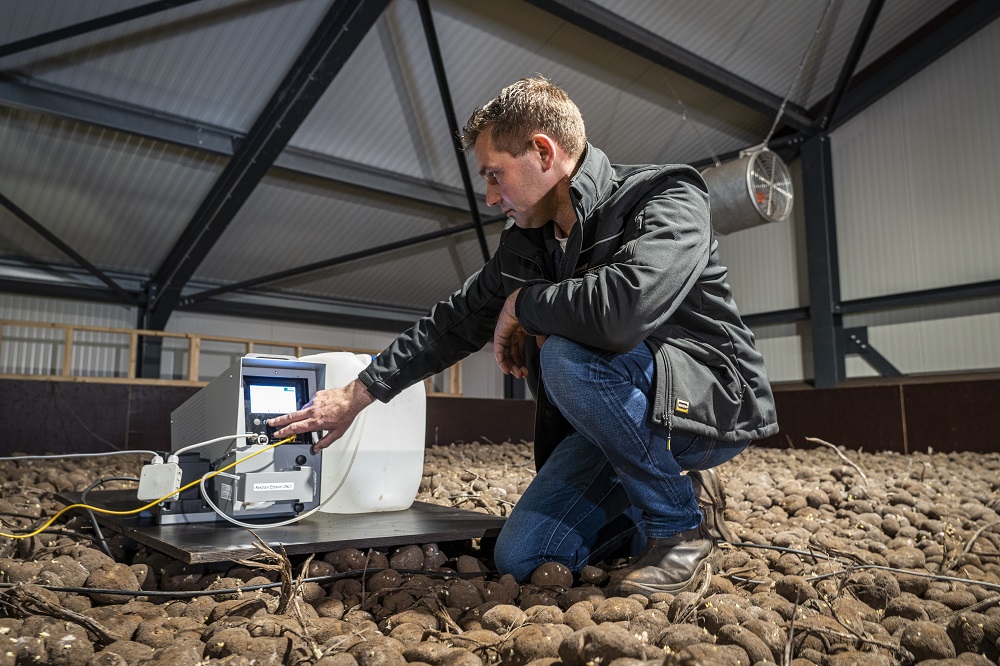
493,197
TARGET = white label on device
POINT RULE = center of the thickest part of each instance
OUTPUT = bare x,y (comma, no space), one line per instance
265,487
226,491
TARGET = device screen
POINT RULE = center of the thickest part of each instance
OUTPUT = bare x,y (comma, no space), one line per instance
267,397
272,399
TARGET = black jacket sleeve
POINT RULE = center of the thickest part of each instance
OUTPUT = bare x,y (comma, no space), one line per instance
454,328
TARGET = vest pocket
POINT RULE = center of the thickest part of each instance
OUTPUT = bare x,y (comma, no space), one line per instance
705,386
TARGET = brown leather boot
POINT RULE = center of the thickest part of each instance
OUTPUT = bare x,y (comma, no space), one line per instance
711,497
667,565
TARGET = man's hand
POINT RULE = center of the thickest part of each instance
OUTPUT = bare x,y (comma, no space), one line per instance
508,340
333,410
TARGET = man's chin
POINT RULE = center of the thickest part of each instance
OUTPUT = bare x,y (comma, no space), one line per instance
525,223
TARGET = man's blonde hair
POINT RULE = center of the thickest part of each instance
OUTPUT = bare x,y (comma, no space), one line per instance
524,108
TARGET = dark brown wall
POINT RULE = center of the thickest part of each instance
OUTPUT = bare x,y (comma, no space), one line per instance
913,415
73,417
957,414
479,419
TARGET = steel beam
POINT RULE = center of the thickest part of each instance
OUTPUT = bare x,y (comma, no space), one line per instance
57,290
338,35
449,112
84,27
856,342
360,319
938,36
776,317
850,63
335,261
70,282
822,262
912,299
122,295
58,102
607,25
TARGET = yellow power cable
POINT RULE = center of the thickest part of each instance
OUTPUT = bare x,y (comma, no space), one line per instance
147,506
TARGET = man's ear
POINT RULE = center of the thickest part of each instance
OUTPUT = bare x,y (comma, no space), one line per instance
546,149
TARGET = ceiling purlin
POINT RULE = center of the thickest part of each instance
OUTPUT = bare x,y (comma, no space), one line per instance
40,97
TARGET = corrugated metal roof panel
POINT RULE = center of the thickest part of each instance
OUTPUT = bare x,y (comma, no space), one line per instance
376,114
616,91
296,221
122,201
764,41
118,200
216,61
29,19
406,278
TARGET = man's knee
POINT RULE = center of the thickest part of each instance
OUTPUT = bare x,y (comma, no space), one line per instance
509,557
560,360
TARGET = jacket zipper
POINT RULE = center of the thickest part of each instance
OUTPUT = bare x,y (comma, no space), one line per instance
537,265
670,395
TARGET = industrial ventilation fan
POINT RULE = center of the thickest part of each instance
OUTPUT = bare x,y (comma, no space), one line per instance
754,189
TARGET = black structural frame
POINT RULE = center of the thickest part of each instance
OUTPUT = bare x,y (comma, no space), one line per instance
338,35
62,103
264,147
84,27
430,35
122,295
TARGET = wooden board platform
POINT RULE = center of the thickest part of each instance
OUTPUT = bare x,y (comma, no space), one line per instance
220,541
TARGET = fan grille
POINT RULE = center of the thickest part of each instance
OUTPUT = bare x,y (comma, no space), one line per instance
770,186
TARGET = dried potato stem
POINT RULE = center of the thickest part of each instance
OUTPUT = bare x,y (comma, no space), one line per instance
27,599
840,453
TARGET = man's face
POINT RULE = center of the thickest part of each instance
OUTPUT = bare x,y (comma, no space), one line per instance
519,185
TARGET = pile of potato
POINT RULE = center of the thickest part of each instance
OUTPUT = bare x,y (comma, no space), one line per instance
844,558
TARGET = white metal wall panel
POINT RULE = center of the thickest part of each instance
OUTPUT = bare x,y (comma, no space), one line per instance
917,208
785,352
49,310
481,376
916,179
39,352
34,351
279,331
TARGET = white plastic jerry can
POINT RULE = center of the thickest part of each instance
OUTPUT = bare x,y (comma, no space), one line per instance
378,463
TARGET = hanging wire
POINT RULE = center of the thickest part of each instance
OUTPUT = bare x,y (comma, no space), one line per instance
684,117
798,73
784,102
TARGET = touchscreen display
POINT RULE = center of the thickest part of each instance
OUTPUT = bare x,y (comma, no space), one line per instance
271,399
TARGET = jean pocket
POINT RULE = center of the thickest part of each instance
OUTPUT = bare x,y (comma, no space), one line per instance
697,454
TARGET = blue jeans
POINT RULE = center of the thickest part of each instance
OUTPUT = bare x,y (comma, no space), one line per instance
612,483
